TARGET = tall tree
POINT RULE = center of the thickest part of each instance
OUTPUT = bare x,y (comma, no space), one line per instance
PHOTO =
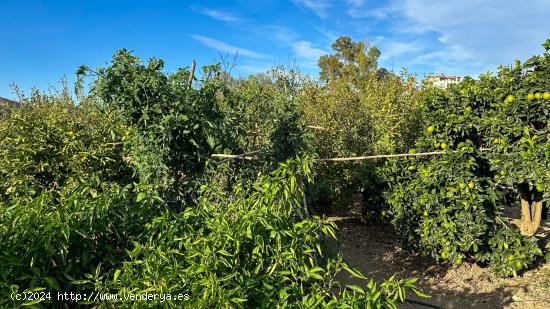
351,60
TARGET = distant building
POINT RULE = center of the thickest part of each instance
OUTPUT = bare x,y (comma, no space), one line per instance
443,81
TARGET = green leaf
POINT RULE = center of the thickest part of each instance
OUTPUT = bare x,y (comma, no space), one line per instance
115,276
140,196
52,283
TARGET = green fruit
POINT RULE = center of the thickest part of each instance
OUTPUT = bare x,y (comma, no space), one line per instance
430,129
496,141
546,95
518,264
538,96
468,109
425,213
530,97
459,260
510,98
502,172
443,146
539,187
462,186
471,185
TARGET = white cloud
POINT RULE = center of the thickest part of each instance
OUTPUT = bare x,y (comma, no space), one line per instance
279,33
318,7
307,55
220,15
393,49
329,34
491,31
217,14
304,50
358,9
467,36
226,48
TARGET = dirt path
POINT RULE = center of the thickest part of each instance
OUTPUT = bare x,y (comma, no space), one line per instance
375,251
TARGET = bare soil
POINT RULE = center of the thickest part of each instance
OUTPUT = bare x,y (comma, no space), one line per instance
375,250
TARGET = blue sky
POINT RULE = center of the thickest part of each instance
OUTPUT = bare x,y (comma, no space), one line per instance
41,41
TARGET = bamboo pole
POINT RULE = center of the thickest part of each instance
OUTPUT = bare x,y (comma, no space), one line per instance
349,158
230,156
432,153
384,156
316,127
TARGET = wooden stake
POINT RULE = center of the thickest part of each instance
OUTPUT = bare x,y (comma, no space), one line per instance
191,74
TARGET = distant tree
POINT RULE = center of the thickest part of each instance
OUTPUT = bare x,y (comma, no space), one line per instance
352,60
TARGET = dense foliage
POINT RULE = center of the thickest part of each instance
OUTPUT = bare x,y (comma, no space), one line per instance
179,126
257,250
117,194
360,109
494,135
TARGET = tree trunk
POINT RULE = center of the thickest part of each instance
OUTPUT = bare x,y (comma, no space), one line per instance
531,213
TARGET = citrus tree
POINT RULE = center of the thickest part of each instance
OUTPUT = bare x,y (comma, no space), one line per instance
67,195
517,129
359,109
493,136
177,126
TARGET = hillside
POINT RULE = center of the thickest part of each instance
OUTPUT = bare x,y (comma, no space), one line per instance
6,102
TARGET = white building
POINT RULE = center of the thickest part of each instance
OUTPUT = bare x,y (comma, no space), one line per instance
443,81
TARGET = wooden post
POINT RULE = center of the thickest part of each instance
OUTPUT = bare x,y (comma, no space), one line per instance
191,74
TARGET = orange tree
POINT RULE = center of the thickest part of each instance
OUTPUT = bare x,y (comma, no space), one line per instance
177,126
517,128
494,135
